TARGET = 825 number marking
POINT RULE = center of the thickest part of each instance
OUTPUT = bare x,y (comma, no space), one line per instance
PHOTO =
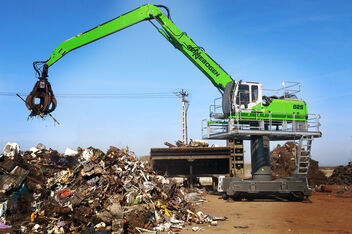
298,107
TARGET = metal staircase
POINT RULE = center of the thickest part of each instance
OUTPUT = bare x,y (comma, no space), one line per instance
303,155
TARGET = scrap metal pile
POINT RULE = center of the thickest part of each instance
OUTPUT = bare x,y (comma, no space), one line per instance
192,143
283,164
89,190
341,175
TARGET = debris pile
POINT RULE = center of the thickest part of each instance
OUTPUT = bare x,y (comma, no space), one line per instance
89,190
342,175
192,143
315,175
283,160
283,164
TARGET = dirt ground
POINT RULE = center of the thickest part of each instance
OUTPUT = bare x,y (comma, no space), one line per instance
327,213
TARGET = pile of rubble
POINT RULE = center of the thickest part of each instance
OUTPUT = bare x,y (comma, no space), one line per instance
283,164
89,190
283,160
342,175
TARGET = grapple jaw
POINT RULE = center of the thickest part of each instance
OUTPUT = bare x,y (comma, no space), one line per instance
41,101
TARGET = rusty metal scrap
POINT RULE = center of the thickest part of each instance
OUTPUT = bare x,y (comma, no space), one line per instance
341,175
283,164
86,190
169,144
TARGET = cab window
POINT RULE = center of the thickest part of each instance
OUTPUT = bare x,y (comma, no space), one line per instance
254,91
243,95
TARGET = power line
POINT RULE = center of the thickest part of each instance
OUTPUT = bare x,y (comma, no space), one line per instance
159,95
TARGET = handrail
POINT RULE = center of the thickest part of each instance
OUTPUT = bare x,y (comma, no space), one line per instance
226,126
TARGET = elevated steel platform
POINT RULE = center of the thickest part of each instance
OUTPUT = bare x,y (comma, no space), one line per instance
275,130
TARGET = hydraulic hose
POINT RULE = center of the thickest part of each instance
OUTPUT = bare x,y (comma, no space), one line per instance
167,10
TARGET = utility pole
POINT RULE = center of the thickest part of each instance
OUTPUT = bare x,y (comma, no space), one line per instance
185,104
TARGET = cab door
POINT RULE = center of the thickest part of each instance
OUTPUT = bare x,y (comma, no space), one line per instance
242,98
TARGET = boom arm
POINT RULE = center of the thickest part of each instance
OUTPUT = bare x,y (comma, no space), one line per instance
168,29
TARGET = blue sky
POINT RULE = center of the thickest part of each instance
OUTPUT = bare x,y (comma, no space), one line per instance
264,41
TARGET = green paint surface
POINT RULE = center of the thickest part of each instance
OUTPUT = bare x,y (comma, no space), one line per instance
278,110
169,30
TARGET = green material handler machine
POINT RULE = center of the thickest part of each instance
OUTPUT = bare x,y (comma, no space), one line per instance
241,101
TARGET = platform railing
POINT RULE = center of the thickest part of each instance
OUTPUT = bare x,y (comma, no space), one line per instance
214,128
288,87
216,107
220,126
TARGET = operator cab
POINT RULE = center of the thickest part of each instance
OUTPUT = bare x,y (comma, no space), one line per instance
247,95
